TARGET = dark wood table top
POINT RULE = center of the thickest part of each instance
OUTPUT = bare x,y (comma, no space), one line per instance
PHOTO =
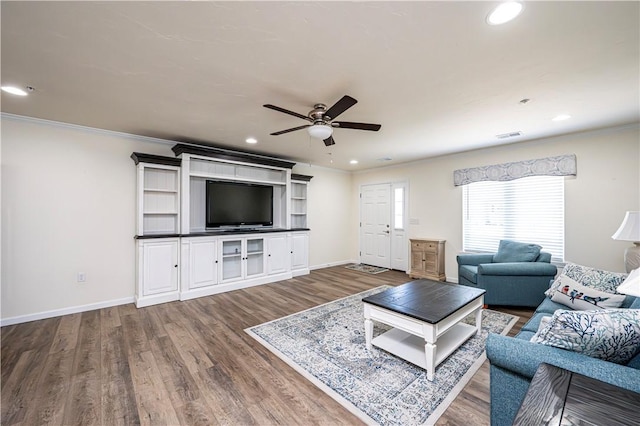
561,397
425,300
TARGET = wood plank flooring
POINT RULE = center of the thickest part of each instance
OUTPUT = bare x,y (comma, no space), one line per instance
187,363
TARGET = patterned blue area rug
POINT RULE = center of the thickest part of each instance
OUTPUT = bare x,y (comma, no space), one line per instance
326,344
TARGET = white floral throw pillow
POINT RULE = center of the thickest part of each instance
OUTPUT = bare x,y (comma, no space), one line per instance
597,279
612,334
580,297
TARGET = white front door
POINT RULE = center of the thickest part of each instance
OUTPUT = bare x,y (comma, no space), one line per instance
375,225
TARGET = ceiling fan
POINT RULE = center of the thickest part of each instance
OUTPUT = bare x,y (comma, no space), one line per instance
321,119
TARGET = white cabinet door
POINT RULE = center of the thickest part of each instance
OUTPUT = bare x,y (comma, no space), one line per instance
254,257
159,267
242,258
203,263
278,257
300,251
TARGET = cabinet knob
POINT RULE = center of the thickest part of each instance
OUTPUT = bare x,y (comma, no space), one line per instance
175,266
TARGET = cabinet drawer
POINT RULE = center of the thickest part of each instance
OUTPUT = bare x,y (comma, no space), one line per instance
423,246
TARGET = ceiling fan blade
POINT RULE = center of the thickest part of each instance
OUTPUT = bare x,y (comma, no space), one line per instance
341,106
359,126
286,111
329,141
290,130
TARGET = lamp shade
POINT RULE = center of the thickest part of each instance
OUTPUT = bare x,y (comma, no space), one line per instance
630,228
320,131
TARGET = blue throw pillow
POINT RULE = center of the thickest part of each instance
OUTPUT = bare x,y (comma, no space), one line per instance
513,251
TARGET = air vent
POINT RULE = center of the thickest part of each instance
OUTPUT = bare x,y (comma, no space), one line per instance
509,135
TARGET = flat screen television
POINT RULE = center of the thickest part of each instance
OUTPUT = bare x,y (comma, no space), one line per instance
235,204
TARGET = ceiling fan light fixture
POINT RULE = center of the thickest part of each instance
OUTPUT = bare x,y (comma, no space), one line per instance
320,131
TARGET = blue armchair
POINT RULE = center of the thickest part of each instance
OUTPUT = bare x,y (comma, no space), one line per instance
517,275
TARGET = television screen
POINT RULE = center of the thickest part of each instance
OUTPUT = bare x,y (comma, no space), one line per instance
236,204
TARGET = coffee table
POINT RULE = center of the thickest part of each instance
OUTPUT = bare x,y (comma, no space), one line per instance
426,318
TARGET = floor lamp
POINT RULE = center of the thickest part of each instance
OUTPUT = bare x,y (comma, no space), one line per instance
630,231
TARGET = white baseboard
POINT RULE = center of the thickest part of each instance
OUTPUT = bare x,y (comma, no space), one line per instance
329,265
65,311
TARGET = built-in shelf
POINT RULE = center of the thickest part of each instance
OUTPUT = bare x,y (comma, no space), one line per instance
298,199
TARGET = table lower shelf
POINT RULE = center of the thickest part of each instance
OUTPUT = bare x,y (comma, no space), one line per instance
411,347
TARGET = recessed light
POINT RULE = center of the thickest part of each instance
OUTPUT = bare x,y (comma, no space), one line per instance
14,90
505,12
561,117
353,162
251,140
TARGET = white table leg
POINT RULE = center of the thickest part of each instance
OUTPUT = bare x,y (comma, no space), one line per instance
479,320
368,332
430,354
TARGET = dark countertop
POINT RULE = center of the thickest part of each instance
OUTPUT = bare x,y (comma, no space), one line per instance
220,233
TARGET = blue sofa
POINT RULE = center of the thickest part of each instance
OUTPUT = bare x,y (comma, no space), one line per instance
507,279
514,361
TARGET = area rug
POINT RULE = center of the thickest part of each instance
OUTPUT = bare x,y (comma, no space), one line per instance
365,268
326,344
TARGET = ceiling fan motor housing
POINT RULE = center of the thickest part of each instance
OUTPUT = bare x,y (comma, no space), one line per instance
317,114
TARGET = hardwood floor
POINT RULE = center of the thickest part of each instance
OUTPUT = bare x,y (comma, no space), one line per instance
187,363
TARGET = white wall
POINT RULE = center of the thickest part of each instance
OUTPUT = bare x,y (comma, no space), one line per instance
607,185
68,206
329,200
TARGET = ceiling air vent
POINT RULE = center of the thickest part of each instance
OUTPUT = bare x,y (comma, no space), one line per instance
509,135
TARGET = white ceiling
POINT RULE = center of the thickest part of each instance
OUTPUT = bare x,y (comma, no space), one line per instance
434,74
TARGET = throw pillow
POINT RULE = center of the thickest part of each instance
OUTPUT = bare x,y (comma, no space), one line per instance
612,335
631,284
591,277
544,322
579,297
513,251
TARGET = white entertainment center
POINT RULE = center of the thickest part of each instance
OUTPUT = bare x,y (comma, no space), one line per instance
178,258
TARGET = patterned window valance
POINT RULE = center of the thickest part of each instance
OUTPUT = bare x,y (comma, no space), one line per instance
563,165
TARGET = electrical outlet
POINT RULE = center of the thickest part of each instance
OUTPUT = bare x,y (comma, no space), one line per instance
82,277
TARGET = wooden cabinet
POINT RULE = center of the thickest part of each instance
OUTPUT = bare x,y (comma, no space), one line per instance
300,253
427,259
199,273
178,258
278,259
157,277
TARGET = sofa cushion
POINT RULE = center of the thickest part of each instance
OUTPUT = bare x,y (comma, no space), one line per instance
534,323
591,277
548,306
577,296
525,335
612,335
513,251
470,272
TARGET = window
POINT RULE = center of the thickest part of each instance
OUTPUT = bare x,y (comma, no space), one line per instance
529,210
398,208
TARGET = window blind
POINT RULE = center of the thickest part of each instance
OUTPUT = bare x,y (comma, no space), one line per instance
529,210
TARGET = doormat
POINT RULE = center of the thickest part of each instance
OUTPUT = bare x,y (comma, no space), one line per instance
369,269
326,344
